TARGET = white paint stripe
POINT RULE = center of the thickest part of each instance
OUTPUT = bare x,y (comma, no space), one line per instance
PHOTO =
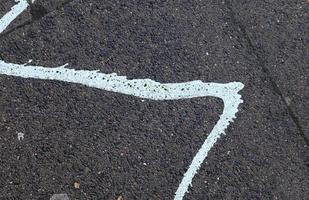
230,109
149,89
143,88
11,15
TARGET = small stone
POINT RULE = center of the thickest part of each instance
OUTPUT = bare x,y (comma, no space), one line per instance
60,197
76,185
120,198
288,100
87,170
20,136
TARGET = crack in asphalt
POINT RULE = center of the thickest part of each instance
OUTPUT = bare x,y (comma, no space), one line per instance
34,18
262,62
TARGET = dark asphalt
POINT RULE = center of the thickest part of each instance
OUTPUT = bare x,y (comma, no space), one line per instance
278,32
116,145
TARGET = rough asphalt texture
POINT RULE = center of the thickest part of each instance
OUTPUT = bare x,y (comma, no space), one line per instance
278,32
116,145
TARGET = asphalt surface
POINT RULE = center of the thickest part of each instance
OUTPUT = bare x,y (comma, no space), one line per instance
115,145
278,33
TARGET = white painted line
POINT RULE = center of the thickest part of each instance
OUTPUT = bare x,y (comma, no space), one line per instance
11,15
145,88
148,89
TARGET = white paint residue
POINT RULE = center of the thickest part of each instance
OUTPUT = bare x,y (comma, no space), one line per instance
10,16
20,136
143,88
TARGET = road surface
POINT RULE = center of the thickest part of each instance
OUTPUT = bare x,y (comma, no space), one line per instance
59,137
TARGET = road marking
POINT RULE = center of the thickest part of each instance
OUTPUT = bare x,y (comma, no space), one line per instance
16,10
148,89
143,88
